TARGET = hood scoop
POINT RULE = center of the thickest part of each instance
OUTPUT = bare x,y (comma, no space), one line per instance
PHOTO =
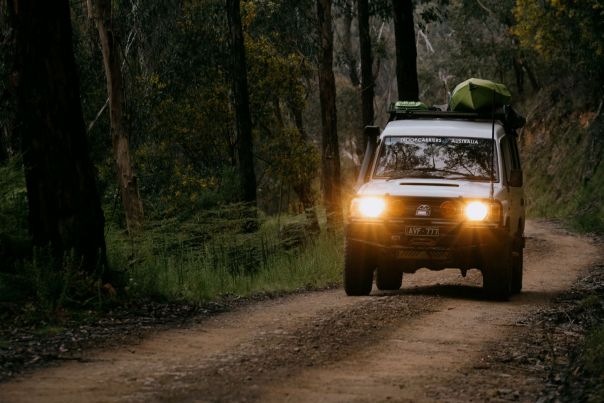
452,185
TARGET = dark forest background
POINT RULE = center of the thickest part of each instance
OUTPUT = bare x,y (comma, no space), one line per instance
186,149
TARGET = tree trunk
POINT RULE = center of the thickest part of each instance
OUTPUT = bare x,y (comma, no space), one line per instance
296,112
100,12
247,175
349,58
531,75
3,145
64,207
330,155
303,189
367,84
305,194
9,146
406,53
519,73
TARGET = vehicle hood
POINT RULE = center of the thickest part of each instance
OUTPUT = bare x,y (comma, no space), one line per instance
427,188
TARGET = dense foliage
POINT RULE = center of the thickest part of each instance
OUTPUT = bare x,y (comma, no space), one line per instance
569,35
177,69
180,115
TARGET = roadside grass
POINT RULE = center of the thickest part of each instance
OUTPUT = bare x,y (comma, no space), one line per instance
575,323
593,357
35,292
562,158
581,209
204,260
193,257
174,262
49,330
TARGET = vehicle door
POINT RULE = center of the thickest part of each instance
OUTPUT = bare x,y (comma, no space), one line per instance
515,194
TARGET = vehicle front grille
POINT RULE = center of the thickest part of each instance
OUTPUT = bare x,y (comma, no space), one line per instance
422,207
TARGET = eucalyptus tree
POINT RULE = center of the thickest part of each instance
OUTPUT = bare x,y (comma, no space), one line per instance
367,81
64,207
406,52
100,11
280,48
247,175
7,140
330,155
345,11
567,35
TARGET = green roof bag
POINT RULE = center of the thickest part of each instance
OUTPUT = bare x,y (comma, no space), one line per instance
477,95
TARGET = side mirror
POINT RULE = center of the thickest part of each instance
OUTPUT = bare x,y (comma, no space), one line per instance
372,131
515,179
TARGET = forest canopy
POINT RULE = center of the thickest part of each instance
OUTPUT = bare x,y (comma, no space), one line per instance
201,118
177,69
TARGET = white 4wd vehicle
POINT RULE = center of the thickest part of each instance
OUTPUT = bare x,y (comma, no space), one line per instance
438,190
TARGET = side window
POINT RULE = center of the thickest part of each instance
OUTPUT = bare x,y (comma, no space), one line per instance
507,154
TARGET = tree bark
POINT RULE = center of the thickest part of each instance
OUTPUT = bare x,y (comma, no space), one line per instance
296,112
531,75
367,83
349,58
330,154
303,189
519,73
406,53
100,12
9,146
3,146
64,207
247,174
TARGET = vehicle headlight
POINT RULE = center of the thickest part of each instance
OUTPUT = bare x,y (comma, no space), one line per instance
476,211
368,207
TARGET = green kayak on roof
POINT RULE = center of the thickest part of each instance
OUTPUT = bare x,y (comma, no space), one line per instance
477,95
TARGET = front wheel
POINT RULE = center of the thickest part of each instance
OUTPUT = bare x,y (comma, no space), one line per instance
388,279
497,273
358,272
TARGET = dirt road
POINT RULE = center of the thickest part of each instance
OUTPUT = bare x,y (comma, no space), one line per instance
428,342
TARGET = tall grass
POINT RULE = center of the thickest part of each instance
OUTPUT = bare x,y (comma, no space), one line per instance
190,257
206,258
13,200
593,357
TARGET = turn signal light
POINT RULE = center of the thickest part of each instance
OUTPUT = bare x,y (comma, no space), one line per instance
450,209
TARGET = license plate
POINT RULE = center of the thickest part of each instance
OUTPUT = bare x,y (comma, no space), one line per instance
421,231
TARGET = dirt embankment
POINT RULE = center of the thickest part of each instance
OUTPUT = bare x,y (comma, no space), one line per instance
436,339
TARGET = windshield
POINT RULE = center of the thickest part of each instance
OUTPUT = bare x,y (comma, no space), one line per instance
435,157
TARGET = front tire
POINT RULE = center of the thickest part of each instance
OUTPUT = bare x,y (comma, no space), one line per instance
497,273
358,272
388,279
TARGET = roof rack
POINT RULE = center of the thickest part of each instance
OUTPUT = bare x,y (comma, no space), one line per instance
506,115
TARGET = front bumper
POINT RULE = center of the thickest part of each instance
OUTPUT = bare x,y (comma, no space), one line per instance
457,244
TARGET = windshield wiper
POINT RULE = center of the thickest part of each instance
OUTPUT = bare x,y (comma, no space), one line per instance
473,178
